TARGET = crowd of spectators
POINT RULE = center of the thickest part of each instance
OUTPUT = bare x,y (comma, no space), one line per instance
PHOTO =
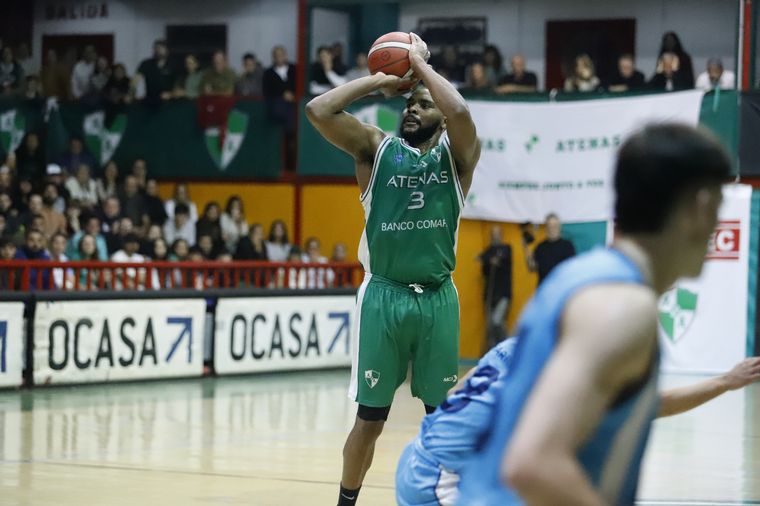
66,213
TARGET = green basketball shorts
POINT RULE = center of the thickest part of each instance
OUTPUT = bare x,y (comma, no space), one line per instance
396,324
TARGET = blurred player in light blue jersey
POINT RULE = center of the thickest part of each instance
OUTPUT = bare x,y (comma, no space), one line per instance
573,417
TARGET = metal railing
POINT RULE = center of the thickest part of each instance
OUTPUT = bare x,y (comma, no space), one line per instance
29,275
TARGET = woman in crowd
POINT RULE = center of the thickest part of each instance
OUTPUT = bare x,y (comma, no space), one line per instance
494,65
584,77
189,85
87,251
233,223
685,69
278,246
210,224
108,185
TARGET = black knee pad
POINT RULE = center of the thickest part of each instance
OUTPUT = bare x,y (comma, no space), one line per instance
370,414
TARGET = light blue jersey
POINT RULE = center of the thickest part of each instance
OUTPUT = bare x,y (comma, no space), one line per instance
611,456
429,468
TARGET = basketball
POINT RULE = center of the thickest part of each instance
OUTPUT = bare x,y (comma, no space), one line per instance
390,54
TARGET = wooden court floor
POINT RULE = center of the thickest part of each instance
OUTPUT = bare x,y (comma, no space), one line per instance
277,439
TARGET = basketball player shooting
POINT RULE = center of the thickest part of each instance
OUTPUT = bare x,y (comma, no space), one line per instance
412,189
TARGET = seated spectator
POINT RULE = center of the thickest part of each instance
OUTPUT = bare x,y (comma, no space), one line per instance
10,279
34,249
146,243
342,275
90,278
181,194
81,75
450,65
252,246
108,185
131,278
55,222
118,88
92,228
72,214
360,70
189,85
337,58
82,187
54,77
627,77
294,277
75,157
668,77
233,223
278,246
115,239
210,224
181,226
160,252
154,206
317,277
140,171
180,251
219,80
132,201
584,77
30,157
208,247
684,67
53,200
322,74
155,75
339,253
520,80
477,81
32,92
62,278
110,214
37,223
716,77
54,175
250,81
11,73
494,65
100,76
24,189
3,224
12,217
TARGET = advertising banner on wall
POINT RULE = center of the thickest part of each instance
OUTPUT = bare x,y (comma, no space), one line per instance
282,333
112,340
703,321
538,159
11,343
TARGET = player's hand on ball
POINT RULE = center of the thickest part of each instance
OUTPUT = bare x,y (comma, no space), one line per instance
419,48
393,86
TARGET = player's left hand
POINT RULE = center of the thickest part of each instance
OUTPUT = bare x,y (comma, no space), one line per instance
419,48
745,372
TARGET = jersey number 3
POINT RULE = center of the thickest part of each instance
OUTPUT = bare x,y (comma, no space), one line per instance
416,200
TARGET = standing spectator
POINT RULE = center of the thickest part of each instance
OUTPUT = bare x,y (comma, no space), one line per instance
181,195
252,246
210,224
34,249
323,74
110,214
360,70
250,83
627,77
549,253
189,85
30,157
278,246
338,58
76,156
234,225
219,80
82,187
494,64
118,88
496,266
716,77
156,74
520,80
54,77
669,77
81,75
279,92
154,206
108,185
584,77
180,226
55,222
140,171
91,227
100,77
477,81
685,69
11,74
25,60
132,201
450,65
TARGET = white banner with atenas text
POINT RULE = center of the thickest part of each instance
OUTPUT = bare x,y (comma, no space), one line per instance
538,159
11,343
281,333
112,340
703,321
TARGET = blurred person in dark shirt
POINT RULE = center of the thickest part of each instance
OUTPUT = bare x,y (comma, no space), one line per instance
132,201
154,206
156,74
252,246
519,80
627,77
496,266
550,252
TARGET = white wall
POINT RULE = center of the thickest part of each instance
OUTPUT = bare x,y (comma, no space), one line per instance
706,27
252,25
328,26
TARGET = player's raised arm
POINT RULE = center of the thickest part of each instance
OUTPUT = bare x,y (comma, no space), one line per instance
595,360
465,145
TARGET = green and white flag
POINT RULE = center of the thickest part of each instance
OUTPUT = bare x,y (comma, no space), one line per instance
384,118
237,126
677,308
100,140
12,130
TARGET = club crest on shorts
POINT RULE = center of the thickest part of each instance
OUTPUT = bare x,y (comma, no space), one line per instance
371,377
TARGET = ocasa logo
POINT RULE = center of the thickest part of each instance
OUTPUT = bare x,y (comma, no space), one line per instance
725,241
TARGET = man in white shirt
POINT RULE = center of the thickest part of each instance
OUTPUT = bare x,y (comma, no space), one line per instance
180,227
83,70
716,77
128,254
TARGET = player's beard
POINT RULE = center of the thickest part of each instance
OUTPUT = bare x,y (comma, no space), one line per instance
420,135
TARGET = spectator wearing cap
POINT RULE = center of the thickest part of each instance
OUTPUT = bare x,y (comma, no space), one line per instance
54,174
82,187
250,81
180,226
716,77
75,157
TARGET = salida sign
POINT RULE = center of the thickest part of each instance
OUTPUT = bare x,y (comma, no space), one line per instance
282,333
113,340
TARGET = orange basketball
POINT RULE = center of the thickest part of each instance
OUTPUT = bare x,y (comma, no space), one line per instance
390,55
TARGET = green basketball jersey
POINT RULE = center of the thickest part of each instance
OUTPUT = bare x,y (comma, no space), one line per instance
411,213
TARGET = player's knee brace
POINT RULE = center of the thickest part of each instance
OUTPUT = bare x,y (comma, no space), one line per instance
370,414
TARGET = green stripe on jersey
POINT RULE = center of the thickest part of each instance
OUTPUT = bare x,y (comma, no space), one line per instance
411,211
